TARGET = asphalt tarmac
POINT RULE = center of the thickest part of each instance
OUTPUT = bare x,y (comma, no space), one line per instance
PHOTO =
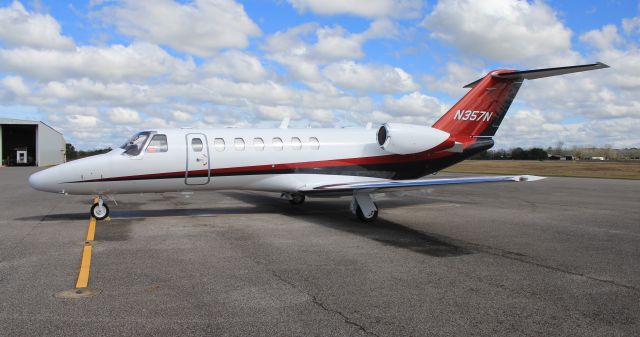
557,257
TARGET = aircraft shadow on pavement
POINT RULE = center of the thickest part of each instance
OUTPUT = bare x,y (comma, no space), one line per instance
153,213
334,214
328,212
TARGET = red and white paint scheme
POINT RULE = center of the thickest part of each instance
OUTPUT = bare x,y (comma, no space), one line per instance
302,162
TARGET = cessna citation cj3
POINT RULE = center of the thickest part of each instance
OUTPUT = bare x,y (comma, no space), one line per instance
302,162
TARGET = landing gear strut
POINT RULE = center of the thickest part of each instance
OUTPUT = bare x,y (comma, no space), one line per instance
294,198
363,207
100,210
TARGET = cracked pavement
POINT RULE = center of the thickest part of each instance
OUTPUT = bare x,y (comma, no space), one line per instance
554,257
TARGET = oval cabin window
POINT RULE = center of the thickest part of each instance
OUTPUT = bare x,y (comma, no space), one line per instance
314,144
218,144
277,143
238,143
258,144
296,144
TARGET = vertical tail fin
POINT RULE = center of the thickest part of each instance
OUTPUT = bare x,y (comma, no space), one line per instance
480,112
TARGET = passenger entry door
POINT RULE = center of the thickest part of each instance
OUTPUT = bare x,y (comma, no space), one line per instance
198,170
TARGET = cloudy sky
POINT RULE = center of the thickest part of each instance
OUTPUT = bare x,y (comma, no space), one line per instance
98,70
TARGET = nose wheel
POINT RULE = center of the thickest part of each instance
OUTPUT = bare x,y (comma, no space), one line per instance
100,210
297,198
294,198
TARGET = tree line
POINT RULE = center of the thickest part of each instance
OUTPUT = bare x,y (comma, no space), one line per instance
517,153
73,154
575,152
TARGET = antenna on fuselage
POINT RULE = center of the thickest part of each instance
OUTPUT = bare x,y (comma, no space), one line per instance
285,123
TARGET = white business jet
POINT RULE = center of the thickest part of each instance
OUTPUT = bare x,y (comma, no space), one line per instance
302,162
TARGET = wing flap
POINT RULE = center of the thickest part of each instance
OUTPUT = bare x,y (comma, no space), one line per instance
374,186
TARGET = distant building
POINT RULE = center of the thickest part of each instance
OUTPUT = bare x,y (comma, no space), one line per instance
558,157
30,143
598,158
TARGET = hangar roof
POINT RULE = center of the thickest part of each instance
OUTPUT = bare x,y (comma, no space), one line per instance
10,121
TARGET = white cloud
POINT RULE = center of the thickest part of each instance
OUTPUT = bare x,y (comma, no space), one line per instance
302,57
181,116
502,30
369,78
201,27
19,28
117,62
604,38
528,128
321,115
631,25
85,91
236,65
363,8
415,104
81,121
121,115
455,76
15,85
276,112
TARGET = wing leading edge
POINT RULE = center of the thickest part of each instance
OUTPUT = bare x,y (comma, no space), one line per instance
375,186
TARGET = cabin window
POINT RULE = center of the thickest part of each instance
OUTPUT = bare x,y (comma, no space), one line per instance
133,146
277,143
238,143
158,144
258,144
196,145
218,144
296,144
314,144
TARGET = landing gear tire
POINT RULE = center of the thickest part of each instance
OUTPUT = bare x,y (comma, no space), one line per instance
100,211
297,199
364,217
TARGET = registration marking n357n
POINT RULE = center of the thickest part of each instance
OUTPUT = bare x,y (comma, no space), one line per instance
468,115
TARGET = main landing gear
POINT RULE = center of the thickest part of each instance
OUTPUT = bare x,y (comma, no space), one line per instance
100,210
363,207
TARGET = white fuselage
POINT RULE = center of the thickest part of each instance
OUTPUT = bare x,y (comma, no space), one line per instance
197,159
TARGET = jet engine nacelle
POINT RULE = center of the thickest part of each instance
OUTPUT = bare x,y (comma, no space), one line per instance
406,138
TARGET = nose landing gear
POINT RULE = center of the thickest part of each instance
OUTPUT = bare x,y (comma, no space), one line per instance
99,210
294,198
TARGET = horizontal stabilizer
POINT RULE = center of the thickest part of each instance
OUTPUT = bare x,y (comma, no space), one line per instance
548,72
540,73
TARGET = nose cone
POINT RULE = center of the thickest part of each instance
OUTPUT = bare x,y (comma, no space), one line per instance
43,181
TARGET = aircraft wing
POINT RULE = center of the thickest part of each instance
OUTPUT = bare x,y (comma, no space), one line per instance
378,186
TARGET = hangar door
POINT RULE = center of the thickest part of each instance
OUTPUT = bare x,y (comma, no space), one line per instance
19,144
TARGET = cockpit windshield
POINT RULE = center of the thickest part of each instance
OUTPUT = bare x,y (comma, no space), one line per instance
133,147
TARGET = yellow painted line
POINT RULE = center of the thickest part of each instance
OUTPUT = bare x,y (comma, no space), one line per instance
85,267
87,249
91,231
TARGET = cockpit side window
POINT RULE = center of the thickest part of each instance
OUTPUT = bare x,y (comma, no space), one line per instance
158,144
134,146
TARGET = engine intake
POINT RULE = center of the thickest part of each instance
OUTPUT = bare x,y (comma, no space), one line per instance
406,138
